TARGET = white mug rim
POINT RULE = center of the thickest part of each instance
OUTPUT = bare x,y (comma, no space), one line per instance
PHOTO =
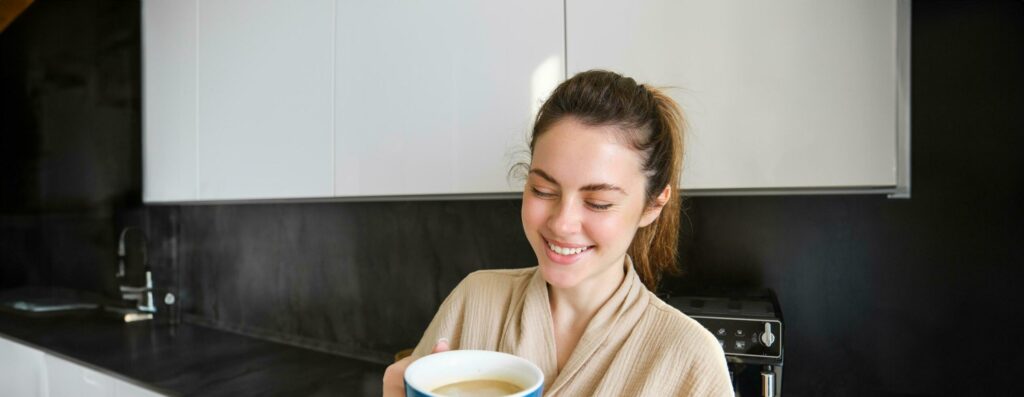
431,358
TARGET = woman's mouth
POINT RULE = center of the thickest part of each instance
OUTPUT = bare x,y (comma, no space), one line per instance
565,253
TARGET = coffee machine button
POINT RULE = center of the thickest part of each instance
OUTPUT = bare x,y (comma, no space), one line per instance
768,338
740,345
720,332
721,343
740,333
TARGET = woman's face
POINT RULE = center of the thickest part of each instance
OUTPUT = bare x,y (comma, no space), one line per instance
583,202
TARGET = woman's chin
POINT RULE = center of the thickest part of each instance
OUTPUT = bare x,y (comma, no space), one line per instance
558,276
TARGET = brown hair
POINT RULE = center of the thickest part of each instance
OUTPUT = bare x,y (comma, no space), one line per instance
651,123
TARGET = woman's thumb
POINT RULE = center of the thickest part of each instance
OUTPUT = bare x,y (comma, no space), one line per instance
441,346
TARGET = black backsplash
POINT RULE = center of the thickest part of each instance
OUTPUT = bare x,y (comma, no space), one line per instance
361,279
881,296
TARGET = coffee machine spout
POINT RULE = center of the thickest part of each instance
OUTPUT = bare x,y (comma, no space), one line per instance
768,382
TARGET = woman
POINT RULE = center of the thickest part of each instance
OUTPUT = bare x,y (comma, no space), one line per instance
601,214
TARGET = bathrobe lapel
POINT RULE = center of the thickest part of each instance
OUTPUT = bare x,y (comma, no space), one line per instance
607,330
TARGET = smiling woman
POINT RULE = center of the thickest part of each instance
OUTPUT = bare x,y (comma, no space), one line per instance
615,128
600,211
583,203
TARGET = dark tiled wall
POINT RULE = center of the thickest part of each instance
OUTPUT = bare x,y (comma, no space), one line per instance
361,279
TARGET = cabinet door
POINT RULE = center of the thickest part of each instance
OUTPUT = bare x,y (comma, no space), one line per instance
22,370
67,379
169,100
778,95
438,97
265,83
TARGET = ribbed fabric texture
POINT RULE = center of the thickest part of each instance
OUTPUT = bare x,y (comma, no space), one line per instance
636,345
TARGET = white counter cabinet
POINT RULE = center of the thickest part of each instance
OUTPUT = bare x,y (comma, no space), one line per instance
22,370
26,371
67,379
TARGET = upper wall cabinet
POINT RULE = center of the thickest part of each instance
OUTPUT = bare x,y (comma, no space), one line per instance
264,91
312,99
437,97
277,99
238,99
169,101
780,96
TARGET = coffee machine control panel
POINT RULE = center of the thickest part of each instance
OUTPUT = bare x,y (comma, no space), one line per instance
745,337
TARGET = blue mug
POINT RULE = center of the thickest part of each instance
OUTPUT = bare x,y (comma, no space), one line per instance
431,372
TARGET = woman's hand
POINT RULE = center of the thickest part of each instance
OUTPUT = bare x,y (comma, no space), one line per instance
394,376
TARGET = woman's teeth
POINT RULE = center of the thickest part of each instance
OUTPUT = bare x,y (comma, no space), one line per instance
566,251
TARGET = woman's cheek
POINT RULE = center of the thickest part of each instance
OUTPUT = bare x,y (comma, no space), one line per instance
533,213
608,229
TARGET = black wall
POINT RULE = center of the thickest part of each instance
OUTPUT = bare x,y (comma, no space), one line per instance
881,296
69,141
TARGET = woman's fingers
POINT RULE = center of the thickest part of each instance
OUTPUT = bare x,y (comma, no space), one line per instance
394,375
441,346
394,383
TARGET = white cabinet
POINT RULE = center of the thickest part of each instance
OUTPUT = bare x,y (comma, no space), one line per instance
779,95
237,99
29,372
67,379
436,97
272,99
264,98
169,101
275,99
22,370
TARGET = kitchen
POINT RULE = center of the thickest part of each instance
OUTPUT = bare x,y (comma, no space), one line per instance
882,296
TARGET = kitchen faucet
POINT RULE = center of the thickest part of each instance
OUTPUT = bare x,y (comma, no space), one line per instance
141,295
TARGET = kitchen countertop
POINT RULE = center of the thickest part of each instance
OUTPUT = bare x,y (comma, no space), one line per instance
187,359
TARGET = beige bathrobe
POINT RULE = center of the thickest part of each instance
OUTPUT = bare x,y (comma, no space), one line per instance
636,345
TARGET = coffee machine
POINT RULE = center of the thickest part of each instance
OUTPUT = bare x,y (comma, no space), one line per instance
748,325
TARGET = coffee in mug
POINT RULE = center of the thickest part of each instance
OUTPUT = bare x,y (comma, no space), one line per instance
476,373
479,388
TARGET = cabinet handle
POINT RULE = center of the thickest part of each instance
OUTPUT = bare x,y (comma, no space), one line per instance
88,377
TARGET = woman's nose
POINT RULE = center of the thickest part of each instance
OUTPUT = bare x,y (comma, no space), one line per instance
566,219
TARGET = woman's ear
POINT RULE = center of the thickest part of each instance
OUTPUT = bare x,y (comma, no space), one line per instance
652,212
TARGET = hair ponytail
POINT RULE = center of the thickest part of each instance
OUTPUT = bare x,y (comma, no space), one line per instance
655,248
651,123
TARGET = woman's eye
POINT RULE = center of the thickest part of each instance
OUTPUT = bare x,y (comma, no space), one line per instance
600,207
541,194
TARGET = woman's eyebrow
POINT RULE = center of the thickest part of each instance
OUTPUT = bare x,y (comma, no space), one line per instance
593,187
544,175
597,187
